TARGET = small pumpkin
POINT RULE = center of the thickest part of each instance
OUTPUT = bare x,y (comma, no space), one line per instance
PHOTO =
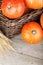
42,32
31,32
34,4
13,8
41,20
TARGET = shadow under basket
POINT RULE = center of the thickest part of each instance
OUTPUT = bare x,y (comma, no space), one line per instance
10,27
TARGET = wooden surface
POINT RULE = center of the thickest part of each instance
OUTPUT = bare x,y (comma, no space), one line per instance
20,53
35,50
13,58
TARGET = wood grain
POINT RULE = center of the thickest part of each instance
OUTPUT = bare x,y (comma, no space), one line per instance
35,50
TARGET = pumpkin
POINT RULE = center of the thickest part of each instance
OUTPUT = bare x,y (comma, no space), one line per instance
13,8
41,20
42,32
31,32
34,4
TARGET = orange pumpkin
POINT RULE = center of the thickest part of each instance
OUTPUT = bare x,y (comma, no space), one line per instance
34,4
13,8
42,32
41,20
31,32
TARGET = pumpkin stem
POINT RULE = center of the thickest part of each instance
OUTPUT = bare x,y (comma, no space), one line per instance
34,32
9,6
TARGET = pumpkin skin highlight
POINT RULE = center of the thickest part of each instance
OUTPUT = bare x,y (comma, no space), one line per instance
31,33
